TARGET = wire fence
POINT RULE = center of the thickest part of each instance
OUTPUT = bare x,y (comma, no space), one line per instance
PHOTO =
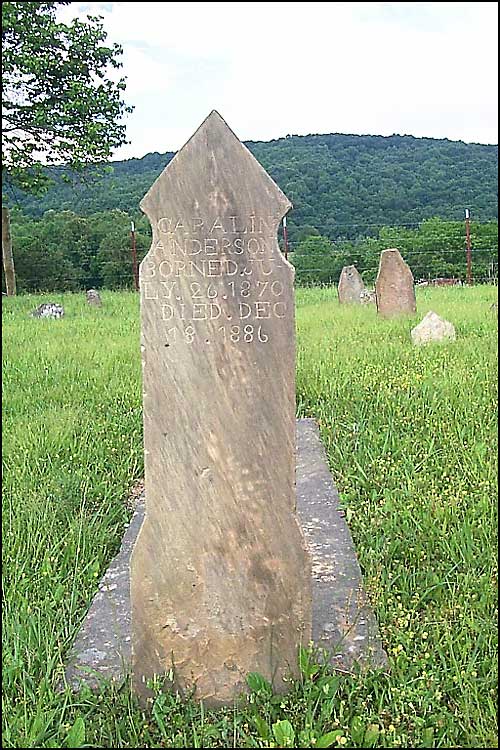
309,275
433,255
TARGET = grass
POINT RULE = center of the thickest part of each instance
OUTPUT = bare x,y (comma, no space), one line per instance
411,439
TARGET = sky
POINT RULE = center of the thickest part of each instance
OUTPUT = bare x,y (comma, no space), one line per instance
273,69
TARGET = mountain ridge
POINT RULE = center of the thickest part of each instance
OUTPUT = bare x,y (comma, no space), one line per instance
333,180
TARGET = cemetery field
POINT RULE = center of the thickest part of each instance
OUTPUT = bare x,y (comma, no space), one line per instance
411,436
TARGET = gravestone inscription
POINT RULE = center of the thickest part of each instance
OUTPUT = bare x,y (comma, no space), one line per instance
220,575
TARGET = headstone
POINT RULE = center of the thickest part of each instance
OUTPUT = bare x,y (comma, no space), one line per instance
220,575
48,310
94,298
351,286
433,329
394,287
343,623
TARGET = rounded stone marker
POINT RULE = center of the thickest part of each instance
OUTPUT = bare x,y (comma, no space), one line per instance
433,329
351,286
94,298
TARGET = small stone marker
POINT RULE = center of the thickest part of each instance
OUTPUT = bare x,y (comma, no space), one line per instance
394,287
94,298
433,329
368,297
48,310
351,286
220,575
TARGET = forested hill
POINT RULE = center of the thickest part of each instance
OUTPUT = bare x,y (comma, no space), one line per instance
338,184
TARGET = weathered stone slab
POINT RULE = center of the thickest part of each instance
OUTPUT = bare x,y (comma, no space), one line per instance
94,298
433,328
342,622
351,286
103,648
220,576
394,286
48,310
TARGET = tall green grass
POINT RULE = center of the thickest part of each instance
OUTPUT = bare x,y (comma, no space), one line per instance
411,439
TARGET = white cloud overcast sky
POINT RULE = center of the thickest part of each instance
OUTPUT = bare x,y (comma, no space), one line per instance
424,69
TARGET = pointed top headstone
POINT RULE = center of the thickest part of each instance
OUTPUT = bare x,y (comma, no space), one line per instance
394,285
214,170
220,577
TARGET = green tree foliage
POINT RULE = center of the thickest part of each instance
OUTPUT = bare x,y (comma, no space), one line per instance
436,249
306,231
63,251
341,186
315,261
58,105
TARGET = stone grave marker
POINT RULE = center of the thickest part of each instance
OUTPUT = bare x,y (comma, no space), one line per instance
220,576
433,328
93,298
394,286
351,286
48,310
238,550
342,620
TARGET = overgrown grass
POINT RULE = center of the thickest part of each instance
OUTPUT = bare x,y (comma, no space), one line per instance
411,439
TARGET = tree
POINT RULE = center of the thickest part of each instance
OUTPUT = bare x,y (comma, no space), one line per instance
58,105
306,231
65,252
8,260
114,257
314,261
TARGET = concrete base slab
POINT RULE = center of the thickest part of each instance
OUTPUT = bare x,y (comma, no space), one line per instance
343,623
